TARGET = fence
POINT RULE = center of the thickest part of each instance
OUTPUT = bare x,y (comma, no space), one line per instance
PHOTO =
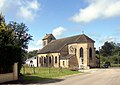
10,76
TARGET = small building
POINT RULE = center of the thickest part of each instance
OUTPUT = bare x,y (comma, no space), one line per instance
32,62
75,51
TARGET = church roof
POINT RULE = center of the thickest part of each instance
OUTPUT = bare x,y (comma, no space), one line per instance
57,45
67,56
47,36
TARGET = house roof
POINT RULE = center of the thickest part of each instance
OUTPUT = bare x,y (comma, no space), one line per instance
57,45
32,58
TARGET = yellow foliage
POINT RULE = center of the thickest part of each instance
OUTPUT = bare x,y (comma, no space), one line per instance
2,23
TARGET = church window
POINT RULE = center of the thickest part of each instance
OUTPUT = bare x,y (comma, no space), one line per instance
63,63
40,59
55,59
90,53
44,60
81,52
44,42
81,55
51,38
50,60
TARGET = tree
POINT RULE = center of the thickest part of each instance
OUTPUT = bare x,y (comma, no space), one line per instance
116,50
32,53
14,40
107,49
7,48
21,39
117,53
2,22
111,51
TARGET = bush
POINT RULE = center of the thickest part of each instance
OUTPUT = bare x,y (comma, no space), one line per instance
115,65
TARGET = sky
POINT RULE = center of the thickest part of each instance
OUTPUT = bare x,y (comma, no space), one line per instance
98,19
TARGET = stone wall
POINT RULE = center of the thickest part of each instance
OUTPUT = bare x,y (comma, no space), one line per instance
10,76
73,62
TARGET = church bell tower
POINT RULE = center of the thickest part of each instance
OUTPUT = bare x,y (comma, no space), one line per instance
48,38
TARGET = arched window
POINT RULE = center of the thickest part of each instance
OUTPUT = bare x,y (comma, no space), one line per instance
81,52
55,59
90,53
81,55
40,59
63,63
50,60
31,61
44,60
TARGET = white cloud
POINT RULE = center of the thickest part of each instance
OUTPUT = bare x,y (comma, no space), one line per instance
20,9
2,2
28,9
58,31
34,5
109,39
101,40
98,9
31,48
26,14
35,46
39,42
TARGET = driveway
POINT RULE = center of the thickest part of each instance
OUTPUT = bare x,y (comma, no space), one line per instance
92,77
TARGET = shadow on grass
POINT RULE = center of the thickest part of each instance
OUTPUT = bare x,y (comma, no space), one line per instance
34,80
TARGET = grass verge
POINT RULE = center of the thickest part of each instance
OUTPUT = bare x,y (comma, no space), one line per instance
43,74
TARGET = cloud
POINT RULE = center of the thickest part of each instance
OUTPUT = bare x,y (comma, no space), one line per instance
28,10
98,9
35,46
39,42
2,3
21,9
109,39
57,32
101,40
31,48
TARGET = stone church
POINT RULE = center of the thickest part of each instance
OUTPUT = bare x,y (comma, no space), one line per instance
70,52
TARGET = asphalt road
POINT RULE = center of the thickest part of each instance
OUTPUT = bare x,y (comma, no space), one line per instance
93,77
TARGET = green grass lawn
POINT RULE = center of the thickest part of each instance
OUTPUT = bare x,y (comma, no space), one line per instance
44,73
